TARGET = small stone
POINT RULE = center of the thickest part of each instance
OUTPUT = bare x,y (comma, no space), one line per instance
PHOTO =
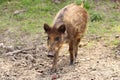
61,69
54,76
97,61
117,36
1,44
40,71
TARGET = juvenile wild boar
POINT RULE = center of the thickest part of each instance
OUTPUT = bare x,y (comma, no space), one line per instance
68,26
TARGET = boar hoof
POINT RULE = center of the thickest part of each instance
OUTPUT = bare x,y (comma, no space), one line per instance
53,70
72,62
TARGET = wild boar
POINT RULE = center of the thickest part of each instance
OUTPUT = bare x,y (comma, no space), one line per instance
69,27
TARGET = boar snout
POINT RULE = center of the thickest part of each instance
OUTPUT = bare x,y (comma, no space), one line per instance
50,54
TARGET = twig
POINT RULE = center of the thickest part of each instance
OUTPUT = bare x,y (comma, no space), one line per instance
19,11
18,51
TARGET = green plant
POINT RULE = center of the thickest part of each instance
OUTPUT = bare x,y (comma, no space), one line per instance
96,17
85,2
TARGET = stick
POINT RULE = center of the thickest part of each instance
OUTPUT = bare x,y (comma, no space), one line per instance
18,51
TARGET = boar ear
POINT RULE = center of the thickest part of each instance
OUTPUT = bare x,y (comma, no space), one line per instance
62,28
46,28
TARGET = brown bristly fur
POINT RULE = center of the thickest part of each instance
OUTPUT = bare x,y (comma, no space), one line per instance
74,18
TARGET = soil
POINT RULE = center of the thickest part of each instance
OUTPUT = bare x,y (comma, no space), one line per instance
95,62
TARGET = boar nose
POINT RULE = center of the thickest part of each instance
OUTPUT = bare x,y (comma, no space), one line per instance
50,54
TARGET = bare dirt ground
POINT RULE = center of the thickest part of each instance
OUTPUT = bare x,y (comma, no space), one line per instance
94,62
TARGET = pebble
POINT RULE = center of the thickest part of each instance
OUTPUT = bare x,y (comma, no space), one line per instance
117,36
54,76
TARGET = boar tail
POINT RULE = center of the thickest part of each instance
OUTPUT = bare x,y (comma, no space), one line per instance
82,4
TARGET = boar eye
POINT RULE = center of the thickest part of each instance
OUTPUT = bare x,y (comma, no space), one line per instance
48,38
57,38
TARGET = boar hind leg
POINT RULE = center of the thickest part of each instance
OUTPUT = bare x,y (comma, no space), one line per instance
76,47
73,49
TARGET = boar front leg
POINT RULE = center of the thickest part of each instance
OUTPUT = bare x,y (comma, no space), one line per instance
54,64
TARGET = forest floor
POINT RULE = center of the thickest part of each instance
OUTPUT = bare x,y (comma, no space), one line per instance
98,57
95,61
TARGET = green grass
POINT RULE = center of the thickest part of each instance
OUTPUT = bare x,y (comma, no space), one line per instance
91,44
112,42
38,12
109,19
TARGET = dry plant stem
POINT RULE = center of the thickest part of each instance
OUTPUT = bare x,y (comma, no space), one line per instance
18,51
